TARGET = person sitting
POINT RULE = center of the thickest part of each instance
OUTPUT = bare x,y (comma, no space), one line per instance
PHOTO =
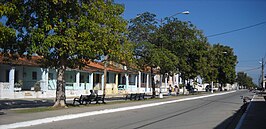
92,95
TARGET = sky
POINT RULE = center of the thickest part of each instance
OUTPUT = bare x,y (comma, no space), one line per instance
248,17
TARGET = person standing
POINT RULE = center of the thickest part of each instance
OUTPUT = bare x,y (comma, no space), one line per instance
170,90
176,90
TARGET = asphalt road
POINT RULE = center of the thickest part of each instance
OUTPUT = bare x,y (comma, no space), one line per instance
216,112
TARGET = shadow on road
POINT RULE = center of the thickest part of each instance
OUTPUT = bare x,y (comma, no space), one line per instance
231,122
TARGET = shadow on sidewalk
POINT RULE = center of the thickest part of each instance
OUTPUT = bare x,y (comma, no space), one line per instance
12,104
231,122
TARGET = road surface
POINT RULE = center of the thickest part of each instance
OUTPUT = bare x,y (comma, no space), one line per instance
216,112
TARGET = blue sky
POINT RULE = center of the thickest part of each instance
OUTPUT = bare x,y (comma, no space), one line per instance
217,16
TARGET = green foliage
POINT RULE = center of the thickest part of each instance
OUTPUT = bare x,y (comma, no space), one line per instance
177,45
244,80
7,38
225,63
37,86
186,42
143,31
68,32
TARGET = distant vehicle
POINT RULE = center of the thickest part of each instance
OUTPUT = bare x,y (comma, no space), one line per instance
191,89
259,88
208,88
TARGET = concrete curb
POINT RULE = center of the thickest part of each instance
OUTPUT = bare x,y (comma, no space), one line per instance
240,123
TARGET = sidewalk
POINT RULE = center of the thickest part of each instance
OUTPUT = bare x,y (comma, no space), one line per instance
255,115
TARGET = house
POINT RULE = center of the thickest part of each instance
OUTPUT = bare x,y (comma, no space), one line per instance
25,78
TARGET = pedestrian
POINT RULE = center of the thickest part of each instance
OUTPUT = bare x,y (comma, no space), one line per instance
176,90
170,90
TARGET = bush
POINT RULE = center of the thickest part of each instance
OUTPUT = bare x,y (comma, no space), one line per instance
37,86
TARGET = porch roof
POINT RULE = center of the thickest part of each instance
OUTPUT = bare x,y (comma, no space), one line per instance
33,61
20,61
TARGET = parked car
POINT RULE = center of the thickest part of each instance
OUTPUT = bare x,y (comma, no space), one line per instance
208,88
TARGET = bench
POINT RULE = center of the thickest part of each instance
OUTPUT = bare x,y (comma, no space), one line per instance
85,99
135,96
99,98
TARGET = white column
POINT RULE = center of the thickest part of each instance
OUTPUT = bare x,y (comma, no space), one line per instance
116,80
91,81
161,82
136,81
77,80
166,82
147,83
127,81
139,81
12,78
44,79
102,82
177,80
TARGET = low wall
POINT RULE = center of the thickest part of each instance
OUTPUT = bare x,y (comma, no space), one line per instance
5,90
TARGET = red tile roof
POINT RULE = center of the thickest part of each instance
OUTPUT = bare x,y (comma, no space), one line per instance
33,61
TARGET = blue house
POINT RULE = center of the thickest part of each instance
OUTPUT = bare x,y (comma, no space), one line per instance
25,78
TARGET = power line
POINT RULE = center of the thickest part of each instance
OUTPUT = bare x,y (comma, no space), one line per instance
231,31
250,69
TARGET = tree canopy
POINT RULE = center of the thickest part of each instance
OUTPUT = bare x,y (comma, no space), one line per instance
67,33
244,80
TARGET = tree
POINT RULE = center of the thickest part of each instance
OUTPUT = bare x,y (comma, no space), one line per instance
68,34
7,35
7,39
143,30
244,80
188,43
225,64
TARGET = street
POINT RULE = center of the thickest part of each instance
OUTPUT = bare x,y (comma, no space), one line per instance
205,113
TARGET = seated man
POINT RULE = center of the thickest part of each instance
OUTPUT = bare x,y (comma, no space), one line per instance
89,98
92,95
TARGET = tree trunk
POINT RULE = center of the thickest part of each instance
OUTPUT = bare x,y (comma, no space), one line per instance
152,84
184,85
60,100
105,79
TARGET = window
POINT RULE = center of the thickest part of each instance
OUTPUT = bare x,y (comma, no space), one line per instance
51,76
7,75
34,75
82,80
107,78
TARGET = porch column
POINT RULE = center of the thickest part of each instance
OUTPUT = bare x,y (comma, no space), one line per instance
91,82
12,78
77,81
147,83
139,81
166,82
116,81
161,82
44,79
102,82
127,81
177,80
136,81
